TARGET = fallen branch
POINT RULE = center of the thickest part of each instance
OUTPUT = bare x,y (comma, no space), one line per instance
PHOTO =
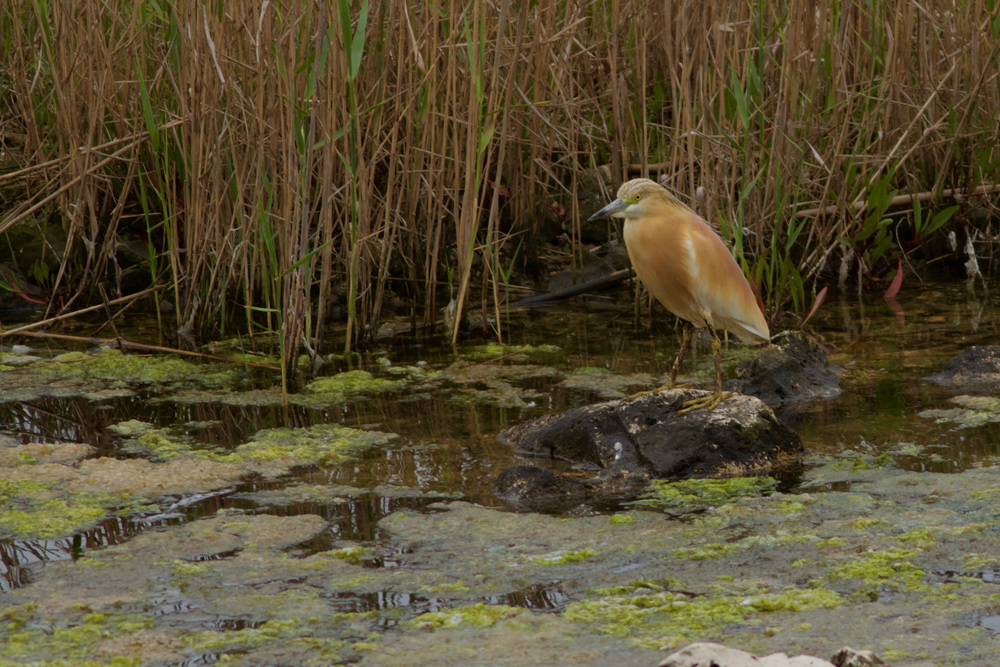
901,199
596,284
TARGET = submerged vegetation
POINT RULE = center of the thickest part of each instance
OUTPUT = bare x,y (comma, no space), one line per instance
269,166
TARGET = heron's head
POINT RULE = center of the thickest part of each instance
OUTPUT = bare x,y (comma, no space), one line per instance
635,199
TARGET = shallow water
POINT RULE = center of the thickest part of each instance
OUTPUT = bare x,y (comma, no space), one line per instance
448,449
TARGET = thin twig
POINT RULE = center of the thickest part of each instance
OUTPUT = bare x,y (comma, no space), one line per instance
64,316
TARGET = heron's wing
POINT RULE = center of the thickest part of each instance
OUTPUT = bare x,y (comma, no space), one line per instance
721,287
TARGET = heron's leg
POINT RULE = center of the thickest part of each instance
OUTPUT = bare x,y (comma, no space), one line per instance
686,329
716,397
717,353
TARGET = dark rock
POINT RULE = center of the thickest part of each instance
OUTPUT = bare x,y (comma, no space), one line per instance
130,268
741,431
628,442
539,489
590,435
975,371
790,373
36,240
12,303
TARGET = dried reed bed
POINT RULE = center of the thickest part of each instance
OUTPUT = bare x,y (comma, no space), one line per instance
285,157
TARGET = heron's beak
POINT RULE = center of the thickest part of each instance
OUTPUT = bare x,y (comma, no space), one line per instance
614,209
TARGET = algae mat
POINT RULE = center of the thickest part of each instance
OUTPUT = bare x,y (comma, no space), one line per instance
904,564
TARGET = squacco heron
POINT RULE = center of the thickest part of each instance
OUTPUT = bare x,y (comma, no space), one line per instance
688,268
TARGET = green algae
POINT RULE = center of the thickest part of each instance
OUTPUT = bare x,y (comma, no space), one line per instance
53,518
419,373
494,350
181,568
608,385
131,428
644,585
699,494
665,619
43,510
114,366
352,555
704,552
21,488
973,411
348,384
884,570
918,537
863,523
323,444
161,444
70,642
590,370
282,641
500,395
445,589
28,510
893,655
478,615
15,617
43,452
980,561
908,449
984,493
619,519
831,542
320,443
563,559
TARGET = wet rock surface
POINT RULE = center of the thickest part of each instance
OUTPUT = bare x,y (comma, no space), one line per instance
789,374
975,371
629,442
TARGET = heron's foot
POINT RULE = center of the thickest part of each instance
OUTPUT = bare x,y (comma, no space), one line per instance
640,394
708,403
666,387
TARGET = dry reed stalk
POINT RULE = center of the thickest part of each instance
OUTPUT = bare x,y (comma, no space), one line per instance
268,196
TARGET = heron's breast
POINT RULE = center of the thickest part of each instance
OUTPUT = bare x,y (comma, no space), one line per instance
662,256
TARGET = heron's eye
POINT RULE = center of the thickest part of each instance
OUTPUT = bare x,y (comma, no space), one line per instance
637,197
